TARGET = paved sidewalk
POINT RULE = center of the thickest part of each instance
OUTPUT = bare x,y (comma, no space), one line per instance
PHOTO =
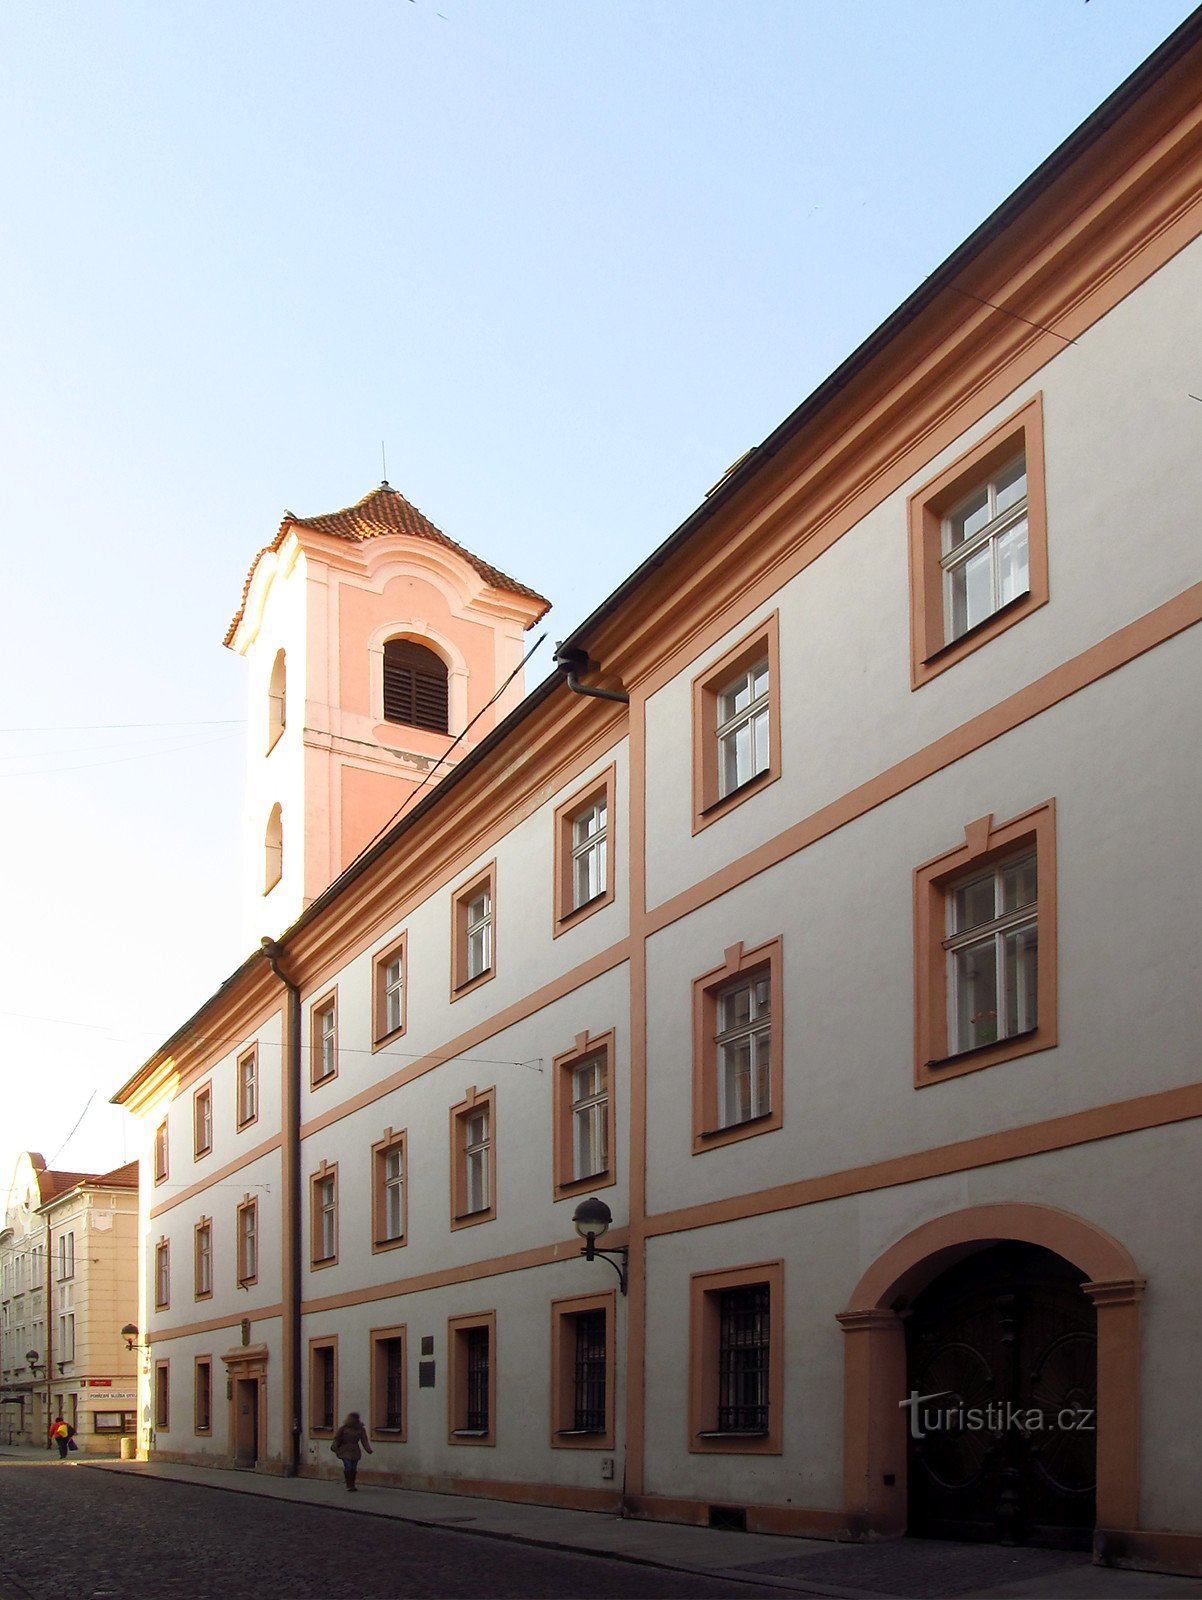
910,1569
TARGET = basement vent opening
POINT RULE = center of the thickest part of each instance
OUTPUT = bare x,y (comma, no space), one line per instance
732,1517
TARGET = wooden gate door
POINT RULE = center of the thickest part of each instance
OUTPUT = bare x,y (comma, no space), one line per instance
246,1400
1002,1355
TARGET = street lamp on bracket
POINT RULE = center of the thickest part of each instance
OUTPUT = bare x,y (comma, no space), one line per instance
591,1220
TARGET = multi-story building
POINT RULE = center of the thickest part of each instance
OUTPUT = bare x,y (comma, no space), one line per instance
69,1269
841,953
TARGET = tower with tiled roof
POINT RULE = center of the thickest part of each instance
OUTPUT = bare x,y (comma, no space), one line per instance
375,645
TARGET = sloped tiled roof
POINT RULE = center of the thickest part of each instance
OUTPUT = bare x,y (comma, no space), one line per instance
384,511
125,1177
51,1184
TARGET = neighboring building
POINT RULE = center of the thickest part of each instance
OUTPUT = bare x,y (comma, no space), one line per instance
68,1284
847,951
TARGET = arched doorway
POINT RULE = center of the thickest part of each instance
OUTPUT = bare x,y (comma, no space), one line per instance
1001,1378
876,1442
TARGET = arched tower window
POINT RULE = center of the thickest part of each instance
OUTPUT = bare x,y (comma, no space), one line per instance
415,686
276,700
273,849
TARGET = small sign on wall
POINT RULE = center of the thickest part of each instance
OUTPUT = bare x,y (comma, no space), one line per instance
425,1374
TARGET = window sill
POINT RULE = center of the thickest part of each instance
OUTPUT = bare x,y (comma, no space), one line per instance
319,1083
739,792
1005,610
734,1129
733,1433
323,1261
390,1244
386,1039
981,1049
594,1180
468,984
469,1433
580,1433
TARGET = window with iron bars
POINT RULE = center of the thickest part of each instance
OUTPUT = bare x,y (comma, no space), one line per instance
477,1379
743,1351
588,1381
393,1384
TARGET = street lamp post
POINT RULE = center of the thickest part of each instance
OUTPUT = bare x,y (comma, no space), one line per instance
591,1220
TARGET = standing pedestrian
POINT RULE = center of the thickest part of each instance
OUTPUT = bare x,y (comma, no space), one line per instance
62,1433
348,1445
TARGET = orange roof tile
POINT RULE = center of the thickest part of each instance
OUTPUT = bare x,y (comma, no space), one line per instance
381,512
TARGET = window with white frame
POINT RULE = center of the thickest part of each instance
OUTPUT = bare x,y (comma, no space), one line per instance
204,1260
325,1217
992,949
590,851
985,554
479,934
162,1273
66,1336
394,993
744,1041
476,1151
393,1208
325,1040
248,1087
66,1255
202,1121
590,1116
743,728
248,1241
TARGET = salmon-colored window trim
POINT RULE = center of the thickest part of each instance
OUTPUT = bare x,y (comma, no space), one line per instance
246,1088
385,1027
569,1385
202,1395
202,1120
984,844
569,908
931,652
384,1185
202,1260
323,1217
463,979
323,1039
709,802
563,1070
706,1290
389,1408
462,1389
323,1386
161,1165
739,966
465,1167
162,1275
246,1235
162,1396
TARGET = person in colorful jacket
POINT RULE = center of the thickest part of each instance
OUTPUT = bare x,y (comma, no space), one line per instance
62,1433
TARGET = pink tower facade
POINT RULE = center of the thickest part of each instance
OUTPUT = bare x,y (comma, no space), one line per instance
375,646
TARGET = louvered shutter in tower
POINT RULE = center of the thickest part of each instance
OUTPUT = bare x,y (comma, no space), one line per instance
415,686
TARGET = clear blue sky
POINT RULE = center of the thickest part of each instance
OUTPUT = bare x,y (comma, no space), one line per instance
569,258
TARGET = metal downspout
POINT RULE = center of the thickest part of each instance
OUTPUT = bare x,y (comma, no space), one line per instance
291,1206
572,663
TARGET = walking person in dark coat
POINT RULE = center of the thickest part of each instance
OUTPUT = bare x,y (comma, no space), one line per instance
348,1445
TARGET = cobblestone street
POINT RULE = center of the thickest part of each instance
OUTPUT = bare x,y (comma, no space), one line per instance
67,1531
